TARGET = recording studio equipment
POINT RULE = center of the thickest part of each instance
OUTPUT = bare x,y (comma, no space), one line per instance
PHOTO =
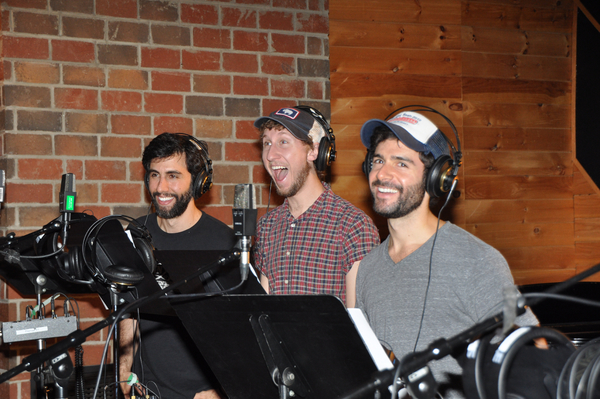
66,204
244,223
444,170
327,152
202,182
2,184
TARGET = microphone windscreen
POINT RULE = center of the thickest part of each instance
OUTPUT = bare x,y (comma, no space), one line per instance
2,184
244,197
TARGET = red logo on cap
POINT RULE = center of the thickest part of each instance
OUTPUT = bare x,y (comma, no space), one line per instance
406,119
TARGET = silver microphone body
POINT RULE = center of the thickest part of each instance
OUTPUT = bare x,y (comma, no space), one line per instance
244,223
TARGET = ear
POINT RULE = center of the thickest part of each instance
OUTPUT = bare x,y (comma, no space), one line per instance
312,154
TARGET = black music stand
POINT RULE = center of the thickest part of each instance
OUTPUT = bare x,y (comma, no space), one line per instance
248,339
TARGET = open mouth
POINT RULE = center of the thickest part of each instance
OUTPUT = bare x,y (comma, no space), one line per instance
279,172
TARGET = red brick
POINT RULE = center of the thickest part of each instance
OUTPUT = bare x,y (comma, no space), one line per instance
287,43
204,105
171,81
315,90
260,175
39,120
173,125
211,197
250,85
232,174
27,144
84,28
213,38
27,96
5,20
276,20
80,6
86,123
315,5
29,193
158,10
117,8
69,50
30,216
201,60
6,70
121,193
83,76
250,41
136,171
233,62
26,47
271,105
105,170
214,128
41,4
117,54
74,166
238,17
171,35
287,88
243,152
276,65
160,58
34,169
32,72
242,107
212,84
125,101
297,4
245,130
254,2
121,147
72,98
39,24
199,14
128,79
163,103
122,31
87,193
314,23
131,124
80,146
314,46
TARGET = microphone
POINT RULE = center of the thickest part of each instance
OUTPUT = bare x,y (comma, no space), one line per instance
2,184
244,222
66,200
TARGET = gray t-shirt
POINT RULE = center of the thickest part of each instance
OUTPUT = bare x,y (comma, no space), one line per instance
466,286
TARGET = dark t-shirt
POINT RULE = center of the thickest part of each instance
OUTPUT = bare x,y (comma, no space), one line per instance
169,357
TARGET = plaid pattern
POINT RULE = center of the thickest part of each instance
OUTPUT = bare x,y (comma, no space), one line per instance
312,254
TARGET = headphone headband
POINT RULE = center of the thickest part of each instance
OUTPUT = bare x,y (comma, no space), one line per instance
327,151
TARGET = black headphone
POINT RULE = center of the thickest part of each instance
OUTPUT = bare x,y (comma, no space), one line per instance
327,152
444,170
202,182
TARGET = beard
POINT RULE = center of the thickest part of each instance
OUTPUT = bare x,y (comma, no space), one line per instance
180,205
296,184
409,200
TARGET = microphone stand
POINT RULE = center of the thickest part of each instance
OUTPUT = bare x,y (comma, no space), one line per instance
412,363
58,351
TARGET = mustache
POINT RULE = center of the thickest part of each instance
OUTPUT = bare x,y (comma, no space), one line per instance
379,183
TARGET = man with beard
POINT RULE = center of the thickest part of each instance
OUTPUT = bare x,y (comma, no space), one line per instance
178,170
310,243
429,279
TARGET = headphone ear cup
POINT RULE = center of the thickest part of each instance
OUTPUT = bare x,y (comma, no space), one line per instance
123,275
324,158
146,251
72,263
367,164
440,177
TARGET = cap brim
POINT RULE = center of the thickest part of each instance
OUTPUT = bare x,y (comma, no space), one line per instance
296,132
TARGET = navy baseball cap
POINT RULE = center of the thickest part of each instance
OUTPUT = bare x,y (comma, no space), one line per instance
416,132
299,122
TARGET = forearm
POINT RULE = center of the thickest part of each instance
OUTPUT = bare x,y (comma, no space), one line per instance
127,328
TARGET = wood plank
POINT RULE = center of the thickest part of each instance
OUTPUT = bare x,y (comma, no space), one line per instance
587,254
480,163
587,229
516,91
394,35
517,115
587,205
513,41
540,258
517,139
349,163
583,183
507,66
423,11
519,187
516,17
511,235
394,62
376,85
523,277
519,211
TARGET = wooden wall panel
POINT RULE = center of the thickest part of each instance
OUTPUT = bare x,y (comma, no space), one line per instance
503,71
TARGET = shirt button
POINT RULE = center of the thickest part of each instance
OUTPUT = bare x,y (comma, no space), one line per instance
285,281
287,253
293,224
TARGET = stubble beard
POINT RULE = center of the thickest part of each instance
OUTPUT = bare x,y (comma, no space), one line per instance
409,200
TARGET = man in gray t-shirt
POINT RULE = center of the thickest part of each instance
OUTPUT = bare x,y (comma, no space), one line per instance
429,279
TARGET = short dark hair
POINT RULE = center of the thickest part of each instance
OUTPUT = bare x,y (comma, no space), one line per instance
382,133
167,145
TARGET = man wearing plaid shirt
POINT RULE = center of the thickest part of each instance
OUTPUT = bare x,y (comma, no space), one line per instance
311,242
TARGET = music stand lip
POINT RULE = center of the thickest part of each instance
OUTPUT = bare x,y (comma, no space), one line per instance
316,333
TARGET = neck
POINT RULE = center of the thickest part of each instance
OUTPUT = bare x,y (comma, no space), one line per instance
183,222
409,232
306,196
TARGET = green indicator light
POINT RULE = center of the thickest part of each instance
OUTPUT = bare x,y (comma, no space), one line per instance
70,203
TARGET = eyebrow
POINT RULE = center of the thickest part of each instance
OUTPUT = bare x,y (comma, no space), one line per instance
168,172
396,158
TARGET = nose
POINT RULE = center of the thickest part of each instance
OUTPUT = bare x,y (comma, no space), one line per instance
270,153
161,185
382,172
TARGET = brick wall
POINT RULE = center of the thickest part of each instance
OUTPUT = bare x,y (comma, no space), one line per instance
87,83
